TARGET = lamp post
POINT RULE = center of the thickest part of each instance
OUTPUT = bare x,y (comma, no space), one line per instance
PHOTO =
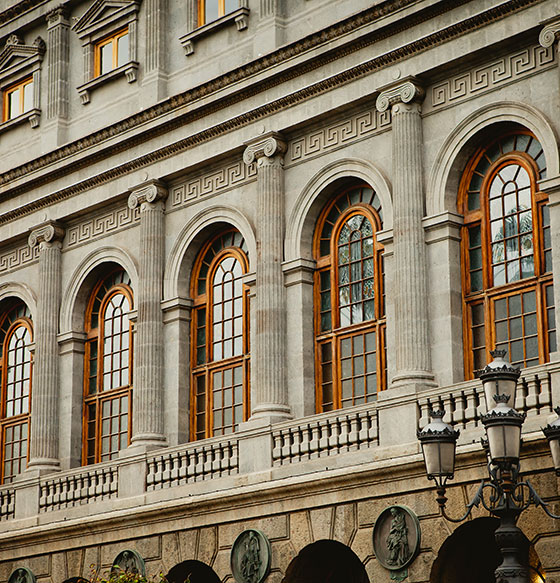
504,494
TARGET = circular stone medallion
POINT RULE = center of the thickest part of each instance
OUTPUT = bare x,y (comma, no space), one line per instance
250,557
396,537
22,575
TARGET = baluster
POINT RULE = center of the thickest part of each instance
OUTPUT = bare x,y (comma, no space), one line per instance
276,448
424,406
532,401
545,395
373,428
460,406
234,462
314,443
344,431
43,496
521,395
353,436
286,443
305,438
191,468
324,436
295,447
470,409
334,430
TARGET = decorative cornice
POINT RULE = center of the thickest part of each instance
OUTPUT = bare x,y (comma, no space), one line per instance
150,192
404,52
405,91
269,145
18,9
48,232
549,33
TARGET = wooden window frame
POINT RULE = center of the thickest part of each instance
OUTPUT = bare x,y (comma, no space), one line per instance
20,87
480,217
202,11
21,418
203,301
112,39
19,65
96,336
337,333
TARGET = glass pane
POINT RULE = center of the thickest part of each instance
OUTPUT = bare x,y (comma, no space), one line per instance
211,10
14,107
106,58
122,50
28,97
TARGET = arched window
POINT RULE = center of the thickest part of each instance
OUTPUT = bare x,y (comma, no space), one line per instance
108,367
16,335
220,339
507,258
349,301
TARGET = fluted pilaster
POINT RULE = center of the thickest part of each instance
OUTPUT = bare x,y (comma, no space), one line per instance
43,445
268,358
410,294
148,402
58,57
155,11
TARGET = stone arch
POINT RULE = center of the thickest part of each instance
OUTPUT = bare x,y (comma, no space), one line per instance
76,294
326,561
445,174
196,571
301,222
21,291
475,538
195,233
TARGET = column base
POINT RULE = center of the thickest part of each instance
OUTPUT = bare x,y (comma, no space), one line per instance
41,466
267,414
143,444
410,382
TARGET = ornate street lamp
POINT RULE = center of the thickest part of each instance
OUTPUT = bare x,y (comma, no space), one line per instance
508,496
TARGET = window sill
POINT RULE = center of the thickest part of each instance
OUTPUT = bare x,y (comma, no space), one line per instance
33,116
239,16
130,70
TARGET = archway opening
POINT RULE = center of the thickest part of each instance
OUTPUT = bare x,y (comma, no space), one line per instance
195,571
326,561
471,554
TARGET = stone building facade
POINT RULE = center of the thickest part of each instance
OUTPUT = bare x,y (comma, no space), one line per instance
244,247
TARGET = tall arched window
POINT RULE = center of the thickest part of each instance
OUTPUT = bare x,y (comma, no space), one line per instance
507,258
16,335
349,301
220,339
108,367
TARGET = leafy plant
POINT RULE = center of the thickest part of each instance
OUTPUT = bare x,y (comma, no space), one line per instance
118,575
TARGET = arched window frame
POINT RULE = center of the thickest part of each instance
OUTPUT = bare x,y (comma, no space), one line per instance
18,424
482,325
330,371
202,389
94,431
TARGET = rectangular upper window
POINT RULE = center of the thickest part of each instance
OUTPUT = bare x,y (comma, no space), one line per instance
18,99
210,10
112,52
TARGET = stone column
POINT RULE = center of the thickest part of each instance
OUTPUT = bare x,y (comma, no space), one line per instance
58,57
547,37
155,78
268,340
43,443
148,401
410,293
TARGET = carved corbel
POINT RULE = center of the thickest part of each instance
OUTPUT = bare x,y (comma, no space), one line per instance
47,233
404,91
148,192
268,146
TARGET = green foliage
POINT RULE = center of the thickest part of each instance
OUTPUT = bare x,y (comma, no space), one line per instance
118,575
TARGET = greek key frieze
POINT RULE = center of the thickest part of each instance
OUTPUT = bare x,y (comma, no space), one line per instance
211,183
489,76
18,257
337,135
101,225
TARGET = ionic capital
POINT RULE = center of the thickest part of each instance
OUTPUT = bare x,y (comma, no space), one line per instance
549,33
58,15
49,232
404,91
268,146
151,191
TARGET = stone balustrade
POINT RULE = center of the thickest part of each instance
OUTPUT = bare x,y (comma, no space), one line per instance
346,438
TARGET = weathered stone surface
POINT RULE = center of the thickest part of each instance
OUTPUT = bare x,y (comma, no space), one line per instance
300,530
207,545
344,523
321,523
187,544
